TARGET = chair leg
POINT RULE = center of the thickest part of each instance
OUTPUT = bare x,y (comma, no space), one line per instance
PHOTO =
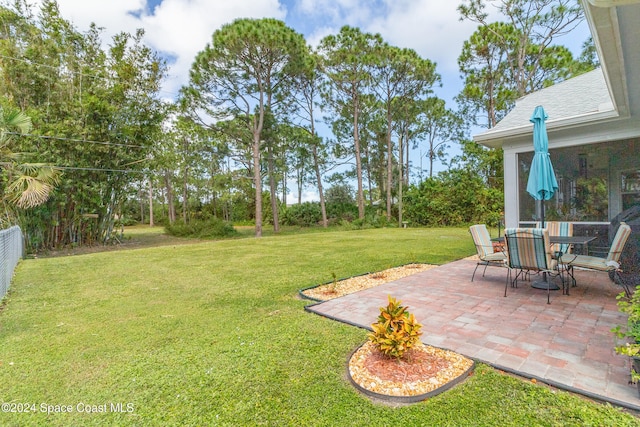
508,280
549,289
570,273
565,289
474,271
486,264
625,286
521,273
485,269
565,286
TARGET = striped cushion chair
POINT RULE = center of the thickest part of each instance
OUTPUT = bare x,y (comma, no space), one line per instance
484,248
528,249
560,229
610,263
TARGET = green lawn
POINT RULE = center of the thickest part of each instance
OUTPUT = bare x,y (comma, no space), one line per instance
213,333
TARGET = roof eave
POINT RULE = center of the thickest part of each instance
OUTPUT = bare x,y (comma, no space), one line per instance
611,3
495,139
603,23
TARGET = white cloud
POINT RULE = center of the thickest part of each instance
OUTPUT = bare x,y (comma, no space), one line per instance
113,15
433,29
318,34
430,27
182,28
325,8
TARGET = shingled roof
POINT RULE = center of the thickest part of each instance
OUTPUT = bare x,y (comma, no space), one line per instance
574,98
578,96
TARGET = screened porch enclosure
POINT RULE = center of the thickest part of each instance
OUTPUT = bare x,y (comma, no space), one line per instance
596,183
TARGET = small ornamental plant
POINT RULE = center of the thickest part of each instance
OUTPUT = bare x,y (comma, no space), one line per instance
334,284
396,331
630,306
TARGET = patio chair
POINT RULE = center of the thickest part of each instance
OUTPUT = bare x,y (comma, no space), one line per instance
609,264
484,247
557,228
528,249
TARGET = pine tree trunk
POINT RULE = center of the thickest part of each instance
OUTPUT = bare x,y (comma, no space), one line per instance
257,182
273,190
400,181
316,167
356,139
389,167
150,203
171,208
185,180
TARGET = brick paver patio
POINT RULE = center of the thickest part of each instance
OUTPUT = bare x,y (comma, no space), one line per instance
567,344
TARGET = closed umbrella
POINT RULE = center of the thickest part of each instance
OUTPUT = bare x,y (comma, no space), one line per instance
542,182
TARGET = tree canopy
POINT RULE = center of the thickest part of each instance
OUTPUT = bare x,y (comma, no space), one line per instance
262,111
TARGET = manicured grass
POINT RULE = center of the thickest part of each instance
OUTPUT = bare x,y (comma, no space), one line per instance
213,333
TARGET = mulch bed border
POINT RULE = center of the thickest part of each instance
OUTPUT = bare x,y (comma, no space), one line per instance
407,400
303,296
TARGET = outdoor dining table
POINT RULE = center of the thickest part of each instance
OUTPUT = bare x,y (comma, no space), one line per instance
564,240
573,240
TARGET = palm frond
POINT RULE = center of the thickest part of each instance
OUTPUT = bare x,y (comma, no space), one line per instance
34,185
11,156
28,192
41,171
30,184
16,119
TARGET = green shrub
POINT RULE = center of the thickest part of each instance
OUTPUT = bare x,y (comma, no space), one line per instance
303,215
339,194
452,198
371,220
342,211
360,224
631,307
126,221
209,228
396,331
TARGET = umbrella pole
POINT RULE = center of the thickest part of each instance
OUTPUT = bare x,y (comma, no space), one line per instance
542,208
544,283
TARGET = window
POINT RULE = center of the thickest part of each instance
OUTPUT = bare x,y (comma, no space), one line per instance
630,188
595,182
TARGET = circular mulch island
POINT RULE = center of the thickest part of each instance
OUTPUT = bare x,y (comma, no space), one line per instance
424,372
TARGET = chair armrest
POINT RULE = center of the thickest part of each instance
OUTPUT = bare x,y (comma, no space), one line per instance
613,264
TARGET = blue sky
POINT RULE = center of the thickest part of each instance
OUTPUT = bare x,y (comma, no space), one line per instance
179,29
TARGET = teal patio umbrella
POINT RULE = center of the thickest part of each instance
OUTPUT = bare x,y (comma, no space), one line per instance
542,182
